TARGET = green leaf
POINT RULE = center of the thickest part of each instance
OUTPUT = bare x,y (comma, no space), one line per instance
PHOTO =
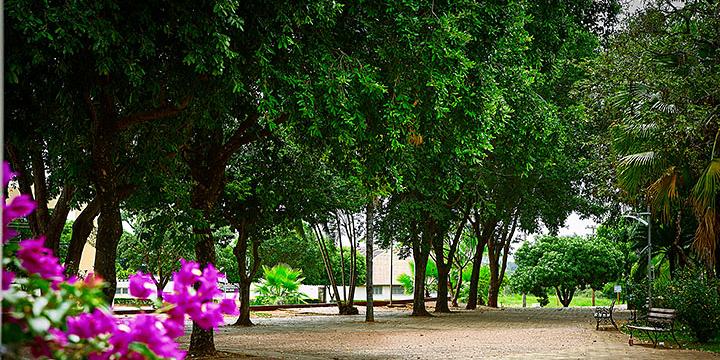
143,350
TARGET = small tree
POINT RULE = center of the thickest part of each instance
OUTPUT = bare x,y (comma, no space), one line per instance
566,264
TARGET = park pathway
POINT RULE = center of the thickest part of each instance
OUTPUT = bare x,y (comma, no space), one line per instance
511,333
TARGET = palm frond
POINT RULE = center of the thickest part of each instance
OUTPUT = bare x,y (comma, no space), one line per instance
705,243
635,169
705,202
705,192
663,193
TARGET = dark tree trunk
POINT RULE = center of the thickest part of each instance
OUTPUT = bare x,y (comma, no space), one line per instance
421,253
353,260
202,341
494,287
458,286
482,235
82,228
246,273
41,192
328,266
444,263
370,239
108,236
441,304
420,257
498,245
57,221
244,319
565,296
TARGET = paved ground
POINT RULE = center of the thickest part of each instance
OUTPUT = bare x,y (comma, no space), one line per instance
512,333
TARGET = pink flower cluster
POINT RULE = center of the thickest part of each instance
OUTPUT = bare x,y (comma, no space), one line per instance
193,293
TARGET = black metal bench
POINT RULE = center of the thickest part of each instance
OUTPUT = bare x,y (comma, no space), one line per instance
658,321
604,315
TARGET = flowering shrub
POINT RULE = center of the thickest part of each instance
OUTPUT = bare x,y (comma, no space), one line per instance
67,318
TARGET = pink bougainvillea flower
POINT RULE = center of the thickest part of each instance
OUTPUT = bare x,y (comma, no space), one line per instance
141,285
37,259
188,275
19,206
147,329
207,316
175,322
229,307
93,280
7,279
58,336
90,325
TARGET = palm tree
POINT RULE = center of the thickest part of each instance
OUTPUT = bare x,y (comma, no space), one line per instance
667,172
281,285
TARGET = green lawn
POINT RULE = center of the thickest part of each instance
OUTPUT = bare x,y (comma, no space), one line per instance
512,300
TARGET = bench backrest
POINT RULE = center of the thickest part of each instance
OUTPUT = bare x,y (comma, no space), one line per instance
660,315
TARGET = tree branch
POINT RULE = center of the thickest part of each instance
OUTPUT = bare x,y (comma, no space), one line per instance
155,114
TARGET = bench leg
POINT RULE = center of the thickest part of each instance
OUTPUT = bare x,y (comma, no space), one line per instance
651,338
613,323
674,338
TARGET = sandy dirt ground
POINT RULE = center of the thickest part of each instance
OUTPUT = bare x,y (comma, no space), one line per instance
511,333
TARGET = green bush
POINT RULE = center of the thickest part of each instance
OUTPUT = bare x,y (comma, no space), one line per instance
696,299
280,285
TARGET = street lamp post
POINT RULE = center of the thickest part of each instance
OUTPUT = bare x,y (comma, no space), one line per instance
647,223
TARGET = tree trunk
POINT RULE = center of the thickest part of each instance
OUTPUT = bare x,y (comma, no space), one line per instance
444,263
342,256
82,228
494,287
244,319
441,304
458,287
482,236
328,266
352,235
496,245
246,272
420,257
369,241
108,236
421,252
202,341
565,296
37,164
56,225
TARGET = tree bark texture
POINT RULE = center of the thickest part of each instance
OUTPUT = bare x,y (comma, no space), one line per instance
202,342
482,235
369,242
421,253
82,228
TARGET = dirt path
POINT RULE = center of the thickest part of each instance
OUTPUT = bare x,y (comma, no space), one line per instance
512,333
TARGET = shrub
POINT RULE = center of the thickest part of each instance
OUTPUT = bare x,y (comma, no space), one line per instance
280,285
696,298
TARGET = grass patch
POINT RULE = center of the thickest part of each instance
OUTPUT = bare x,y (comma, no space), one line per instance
515,300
